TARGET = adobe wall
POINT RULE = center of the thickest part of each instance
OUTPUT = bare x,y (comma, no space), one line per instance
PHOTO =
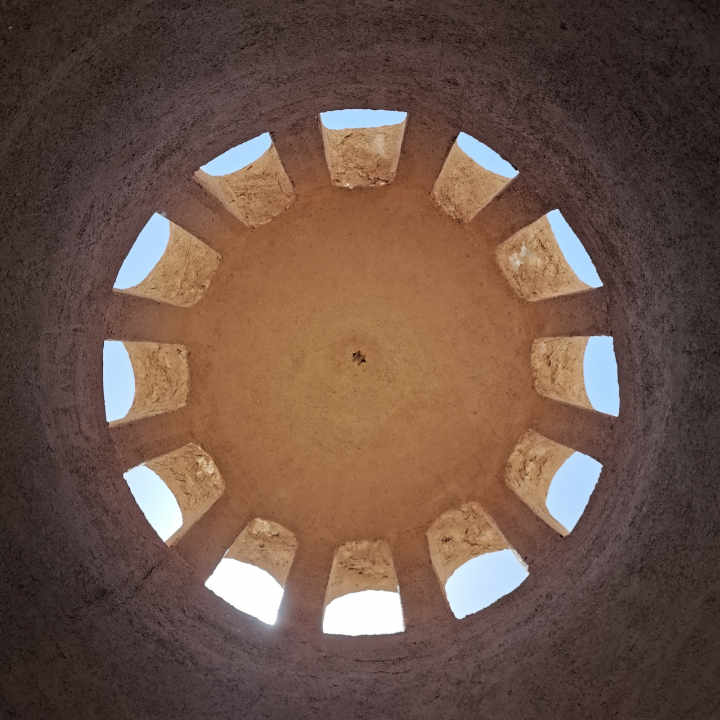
609,111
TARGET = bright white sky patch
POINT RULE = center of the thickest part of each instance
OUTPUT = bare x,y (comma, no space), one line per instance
600,373
369,612
156,500
571,488
576,255
238,157
145,253
118,380
352,118
247,588
484,579
485,156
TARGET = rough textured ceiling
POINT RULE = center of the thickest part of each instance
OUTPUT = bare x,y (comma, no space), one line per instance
609,112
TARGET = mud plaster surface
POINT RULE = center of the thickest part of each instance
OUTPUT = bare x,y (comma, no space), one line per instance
266,544
194,480
256,193
463,188
363,157
99,618
534,265
530,470
162,379
557,367
361,565
459,535
182,275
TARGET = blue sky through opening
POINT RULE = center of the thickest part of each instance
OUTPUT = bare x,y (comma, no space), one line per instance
600,374
156,500
145,253
567,498
571,488
573,250
484,579
359,118
239,156
118,380
485,156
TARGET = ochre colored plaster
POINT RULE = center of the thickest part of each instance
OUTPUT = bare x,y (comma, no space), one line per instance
182,275
530,470
534,265
363,157
463,188
361,565
459,535
266,544
256,193
162,379
194,480
557,367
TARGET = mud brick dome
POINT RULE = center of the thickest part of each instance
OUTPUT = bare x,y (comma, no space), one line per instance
343,372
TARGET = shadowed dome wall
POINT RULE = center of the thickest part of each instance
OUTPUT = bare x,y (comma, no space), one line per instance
609,114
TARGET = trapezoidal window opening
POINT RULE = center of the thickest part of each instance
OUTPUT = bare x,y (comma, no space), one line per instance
167,264
362,595
174,490
249,180
533,467
192,478
252,574
362,147
543,260
157,379
472,559
472,174
144,255
568,369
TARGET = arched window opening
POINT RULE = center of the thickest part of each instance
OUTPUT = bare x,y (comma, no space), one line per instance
362,147
247,588
577,370
483,580
167,264
252,574
473,561
601,375
471,176
160,379
156,500
118,380
368,612
354,118
145,253
546,259
573,250
239,156
537,463
571,487
193,479
362,592
249,180
485,156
